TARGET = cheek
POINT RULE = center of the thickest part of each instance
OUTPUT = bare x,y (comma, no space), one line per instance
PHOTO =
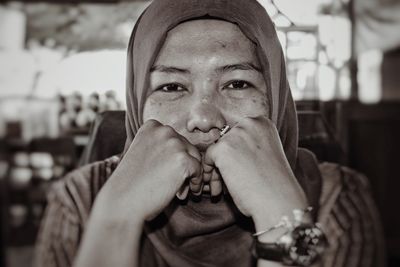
163,112
261,103
251,106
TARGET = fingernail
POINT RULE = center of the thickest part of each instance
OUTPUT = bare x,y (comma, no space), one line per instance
198,193
196,184
183,192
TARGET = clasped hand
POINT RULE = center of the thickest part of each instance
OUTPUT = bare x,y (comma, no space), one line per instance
250,162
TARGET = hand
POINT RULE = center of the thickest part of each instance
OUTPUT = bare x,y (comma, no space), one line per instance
155,167
253,166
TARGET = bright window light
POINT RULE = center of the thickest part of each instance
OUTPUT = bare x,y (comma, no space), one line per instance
86,73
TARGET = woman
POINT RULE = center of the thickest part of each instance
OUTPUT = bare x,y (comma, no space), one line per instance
211,157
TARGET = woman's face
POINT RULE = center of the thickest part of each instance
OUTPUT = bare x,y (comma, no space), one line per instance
206,75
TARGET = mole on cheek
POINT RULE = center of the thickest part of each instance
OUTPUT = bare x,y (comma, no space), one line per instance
223,45
264,103
260,101
257,100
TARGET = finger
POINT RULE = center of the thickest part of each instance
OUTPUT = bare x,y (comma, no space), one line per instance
150,124
163,131
207,176
190,149
234,125
193,151
183,192
148,127
209,158
196,185
191,170
207,168
209,161
192,167
207,172
215,184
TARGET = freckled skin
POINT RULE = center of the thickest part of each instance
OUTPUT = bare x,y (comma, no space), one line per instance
201,47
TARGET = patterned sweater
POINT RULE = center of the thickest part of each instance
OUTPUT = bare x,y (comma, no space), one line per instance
347,212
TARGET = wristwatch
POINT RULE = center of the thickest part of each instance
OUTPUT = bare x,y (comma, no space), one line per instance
301,246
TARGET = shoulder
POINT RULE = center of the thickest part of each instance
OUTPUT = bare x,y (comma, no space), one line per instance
69,203
78,189
338,179
350,218
346,202
341,186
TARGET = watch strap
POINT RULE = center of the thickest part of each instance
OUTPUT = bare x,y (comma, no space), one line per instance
268,251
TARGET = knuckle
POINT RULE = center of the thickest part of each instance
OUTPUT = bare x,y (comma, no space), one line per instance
196,181
174,143
148,126
151,123
215,177
167,131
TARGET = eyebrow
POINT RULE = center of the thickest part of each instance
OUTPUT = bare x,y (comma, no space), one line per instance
223,69
239,66
168,69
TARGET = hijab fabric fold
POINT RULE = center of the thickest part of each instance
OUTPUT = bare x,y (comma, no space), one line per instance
204,233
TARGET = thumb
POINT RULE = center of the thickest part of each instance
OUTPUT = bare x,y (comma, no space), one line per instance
209,160
192,170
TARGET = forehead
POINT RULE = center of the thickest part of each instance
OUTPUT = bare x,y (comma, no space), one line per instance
206,37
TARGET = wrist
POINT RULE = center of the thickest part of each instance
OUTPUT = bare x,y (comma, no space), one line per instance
106,230
266,218
115,212
293,240
270,205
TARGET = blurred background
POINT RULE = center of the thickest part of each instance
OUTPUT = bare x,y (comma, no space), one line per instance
63,62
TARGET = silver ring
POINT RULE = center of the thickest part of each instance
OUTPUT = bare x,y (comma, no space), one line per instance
224,130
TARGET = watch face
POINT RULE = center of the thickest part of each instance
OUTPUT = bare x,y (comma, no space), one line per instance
308,243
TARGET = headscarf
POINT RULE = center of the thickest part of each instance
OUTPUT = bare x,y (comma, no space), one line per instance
205,233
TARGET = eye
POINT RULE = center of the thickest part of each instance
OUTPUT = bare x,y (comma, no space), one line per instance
171,87
238,85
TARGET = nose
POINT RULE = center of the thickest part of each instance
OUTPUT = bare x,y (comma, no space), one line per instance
204,116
